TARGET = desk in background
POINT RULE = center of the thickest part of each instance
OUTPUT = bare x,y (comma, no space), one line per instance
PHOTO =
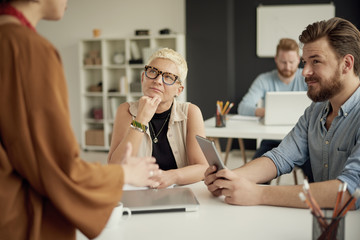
217,220
240,129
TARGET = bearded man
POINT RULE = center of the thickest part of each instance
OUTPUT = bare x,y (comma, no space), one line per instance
327,135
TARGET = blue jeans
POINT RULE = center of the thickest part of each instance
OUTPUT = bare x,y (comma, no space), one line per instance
267,145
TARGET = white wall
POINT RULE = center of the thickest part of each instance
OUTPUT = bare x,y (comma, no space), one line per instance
115,18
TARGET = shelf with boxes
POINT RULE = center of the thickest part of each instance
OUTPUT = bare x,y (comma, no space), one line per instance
110,74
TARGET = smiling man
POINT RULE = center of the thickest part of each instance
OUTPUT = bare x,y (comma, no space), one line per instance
328,134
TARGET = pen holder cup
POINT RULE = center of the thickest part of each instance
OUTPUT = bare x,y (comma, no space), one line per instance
335,229
220,120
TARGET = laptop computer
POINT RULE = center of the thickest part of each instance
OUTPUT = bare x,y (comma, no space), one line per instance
177,199
285,108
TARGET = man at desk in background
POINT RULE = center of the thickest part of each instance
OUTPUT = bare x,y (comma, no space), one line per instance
328,134
286,77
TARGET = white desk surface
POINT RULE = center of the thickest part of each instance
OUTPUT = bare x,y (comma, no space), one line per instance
245,129
217,220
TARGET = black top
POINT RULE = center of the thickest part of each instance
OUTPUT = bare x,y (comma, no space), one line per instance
162,150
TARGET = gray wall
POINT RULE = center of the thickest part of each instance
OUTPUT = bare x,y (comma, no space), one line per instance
221,48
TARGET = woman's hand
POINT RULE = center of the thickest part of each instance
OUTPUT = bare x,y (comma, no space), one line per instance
140,171
166,178
147,108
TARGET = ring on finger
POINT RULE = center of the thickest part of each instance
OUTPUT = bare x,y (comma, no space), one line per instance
151,173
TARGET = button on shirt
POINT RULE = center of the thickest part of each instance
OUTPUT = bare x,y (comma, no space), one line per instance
333,153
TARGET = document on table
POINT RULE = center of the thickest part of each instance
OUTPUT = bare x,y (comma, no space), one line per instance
132,187
244,118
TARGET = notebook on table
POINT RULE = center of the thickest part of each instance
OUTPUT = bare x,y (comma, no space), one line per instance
176,199
285,108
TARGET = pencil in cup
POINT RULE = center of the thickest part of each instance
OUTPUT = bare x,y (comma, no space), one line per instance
224,108
337,222
335,227
332,226
314,205
228,109
220,119
339,198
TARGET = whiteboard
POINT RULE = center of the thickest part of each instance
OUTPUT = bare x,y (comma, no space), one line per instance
286,21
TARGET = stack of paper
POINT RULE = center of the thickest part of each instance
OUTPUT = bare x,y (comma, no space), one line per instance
244,118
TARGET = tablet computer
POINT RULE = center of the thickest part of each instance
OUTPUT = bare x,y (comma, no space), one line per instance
211,153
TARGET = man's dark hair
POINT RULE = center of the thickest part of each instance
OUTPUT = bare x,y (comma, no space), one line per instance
341,34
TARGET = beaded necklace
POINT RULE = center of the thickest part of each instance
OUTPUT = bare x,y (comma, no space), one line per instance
7,9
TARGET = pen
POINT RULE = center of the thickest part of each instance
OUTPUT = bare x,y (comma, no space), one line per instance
339,198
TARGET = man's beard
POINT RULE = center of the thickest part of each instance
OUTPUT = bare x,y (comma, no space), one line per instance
327,90
285,73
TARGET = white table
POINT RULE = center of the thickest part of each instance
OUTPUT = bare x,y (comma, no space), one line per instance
217,220
241,129
245,129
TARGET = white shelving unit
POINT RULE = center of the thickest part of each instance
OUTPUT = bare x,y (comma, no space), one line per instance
107,79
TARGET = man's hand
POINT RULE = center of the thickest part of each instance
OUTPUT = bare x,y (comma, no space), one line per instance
210,178
237,189
260,112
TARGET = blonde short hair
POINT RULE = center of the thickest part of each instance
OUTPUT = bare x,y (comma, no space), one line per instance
175,57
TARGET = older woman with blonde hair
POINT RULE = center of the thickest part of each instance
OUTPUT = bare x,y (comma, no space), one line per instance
160,126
